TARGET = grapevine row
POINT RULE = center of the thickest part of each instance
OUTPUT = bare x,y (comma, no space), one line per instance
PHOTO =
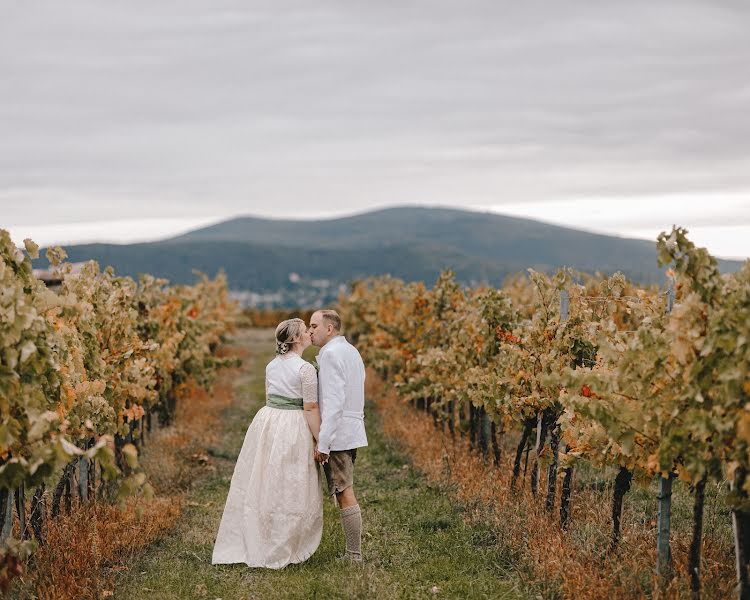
82,371
655,383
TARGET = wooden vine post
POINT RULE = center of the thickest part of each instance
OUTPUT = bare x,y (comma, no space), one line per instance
21,511
694,556
83,478
556,434
6,505
663,555
495,444
38,513
741,530
528,426
485,433
664,558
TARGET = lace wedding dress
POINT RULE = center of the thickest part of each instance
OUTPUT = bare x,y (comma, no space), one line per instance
274,510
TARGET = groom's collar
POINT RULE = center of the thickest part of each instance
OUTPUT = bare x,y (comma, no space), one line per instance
333,341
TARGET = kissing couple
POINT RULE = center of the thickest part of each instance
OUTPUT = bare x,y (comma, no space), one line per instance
274,510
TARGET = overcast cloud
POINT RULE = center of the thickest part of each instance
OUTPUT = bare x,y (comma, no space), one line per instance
186,112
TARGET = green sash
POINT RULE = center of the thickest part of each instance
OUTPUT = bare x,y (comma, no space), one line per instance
276,401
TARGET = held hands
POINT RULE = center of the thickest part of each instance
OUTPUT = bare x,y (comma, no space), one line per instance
320,457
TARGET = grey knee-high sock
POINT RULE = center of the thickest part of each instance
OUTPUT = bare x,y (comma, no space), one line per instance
351,521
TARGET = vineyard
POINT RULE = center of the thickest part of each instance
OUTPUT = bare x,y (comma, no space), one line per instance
524,398
84,370
578,374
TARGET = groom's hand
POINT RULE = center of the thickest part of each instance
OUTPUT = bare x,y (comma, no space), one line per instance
320,457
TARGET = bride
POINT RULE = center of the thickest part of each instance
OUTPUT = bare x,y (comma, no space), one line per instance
274,510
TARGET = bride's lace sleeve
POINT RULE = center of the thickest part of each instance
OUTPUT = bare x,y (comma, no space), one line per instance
309,383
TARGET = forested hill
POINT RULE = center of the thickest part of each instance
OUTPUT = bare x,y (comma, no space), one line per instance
410,243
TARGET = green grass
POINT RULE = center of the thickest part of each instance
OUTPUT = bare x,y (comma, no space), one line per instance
416,543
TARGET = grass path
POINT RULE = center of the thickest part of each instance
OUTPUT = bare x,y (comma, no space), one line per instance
415,542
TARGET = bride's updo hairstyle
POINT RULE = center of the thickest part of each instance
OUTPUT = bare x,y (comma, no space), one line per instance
286,332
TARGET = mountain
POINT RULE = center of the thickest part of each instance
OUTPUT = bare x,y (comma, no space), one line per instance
410,243
514,242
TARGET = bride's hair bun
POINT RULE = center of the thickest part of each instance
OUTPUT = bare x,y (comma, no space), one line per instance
286,333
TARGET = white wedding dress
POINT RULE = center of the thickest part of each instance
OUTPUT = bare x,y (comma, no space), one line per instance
274,510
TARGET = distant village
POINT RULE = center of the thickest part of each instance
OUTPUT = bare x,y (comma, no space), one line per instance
299,293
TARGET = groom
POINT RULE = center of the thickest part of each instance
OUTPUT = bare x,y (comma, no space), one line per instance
341,382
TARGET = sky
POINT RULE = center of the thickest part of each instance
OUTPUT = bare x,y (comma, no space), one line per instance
127,121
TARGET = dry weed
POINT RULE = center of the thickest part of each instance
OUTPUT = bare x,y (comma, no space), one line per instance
85,549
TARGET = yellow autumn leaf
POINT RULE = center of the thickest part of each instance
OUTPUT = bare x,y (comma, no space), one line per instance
130,453
682,474
743,426
682,349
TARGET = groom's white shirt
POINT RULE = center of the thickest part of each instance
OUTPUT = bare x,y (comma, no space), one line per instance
341,395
